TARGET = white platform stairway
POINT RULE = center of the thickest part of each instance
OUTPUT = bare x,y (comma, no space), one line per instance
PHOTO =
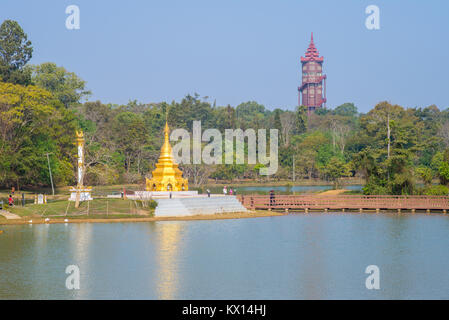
197,205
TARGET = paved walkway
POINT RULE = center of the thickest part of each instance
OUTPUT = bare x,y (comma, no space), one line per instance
332,192
9,215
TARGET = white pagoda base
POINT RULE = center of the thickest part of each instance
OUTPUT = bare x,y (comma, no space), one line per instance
85,194
145,195
200,205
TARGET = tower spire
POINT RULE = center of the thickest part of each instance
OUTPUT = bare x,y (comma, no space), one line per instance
312,92
166,132
167,176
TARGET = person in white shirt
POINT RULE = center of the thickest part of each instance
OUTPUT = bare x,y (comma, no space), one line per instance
225,190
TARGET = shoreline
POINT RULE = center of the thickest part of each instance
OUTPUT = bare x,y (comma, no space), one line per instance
221,216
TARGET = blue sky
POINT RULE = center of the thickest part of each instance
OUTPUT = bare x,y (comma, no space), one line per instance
235,51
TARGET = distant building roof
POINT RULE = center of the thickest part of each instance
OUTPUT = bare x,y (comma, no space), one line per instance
312,53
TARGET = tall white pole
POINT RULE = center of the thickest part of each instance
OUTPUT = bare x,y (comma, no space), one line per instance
80,146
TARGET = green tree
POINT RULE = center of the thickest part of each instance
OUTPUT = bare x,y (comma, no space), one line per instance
15,52
277,123
182,115
251,115
391,134
66,86
425,174
307,152
335,169
444,172
346,110
301,119
32,123
130,136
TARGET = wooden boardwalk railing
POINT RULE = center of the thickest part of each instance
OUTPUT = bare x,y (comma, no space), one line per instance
342,202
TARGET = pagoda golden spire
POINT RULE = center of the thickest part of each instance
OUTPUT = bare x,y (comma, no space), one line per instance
167,176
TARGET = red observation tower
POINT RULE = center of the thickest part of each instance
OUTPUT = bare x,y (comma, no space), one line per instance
313,87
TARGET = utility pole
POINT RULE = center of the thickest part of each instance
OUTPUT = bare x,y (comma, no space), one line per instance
51,177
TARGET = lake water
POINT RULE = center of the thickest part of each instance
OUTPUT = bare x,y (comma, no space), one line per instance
313,256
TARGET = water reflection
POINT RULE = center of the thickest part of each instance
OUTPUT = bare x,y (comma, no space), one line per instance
168,248
39,252
80,239
313,272
314,256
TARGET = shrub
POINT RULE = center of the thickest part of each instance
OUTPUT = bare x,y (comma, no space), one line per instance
101,175
438,190
374,189
130,177
152,204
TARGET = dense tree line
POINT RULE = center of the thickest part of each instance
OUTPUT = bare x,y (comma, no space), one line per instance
396,150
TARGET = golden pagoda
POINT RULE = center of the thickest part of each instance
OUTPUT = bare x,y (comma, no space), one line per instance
167,176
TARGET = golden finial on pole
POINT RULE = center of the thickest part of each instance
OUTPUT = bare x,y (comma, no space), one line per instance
79,137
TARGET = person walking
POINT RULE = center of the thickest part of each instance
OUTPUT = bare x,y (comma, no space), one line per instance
230,191
225,190
271,198
10,201
208,193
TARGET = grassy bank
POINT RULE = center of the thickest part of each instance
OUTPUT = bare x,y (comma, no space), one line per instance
98,208
64,192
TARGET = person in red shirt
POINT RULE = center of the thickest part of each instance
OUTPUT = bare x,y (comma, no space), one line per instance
10,201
